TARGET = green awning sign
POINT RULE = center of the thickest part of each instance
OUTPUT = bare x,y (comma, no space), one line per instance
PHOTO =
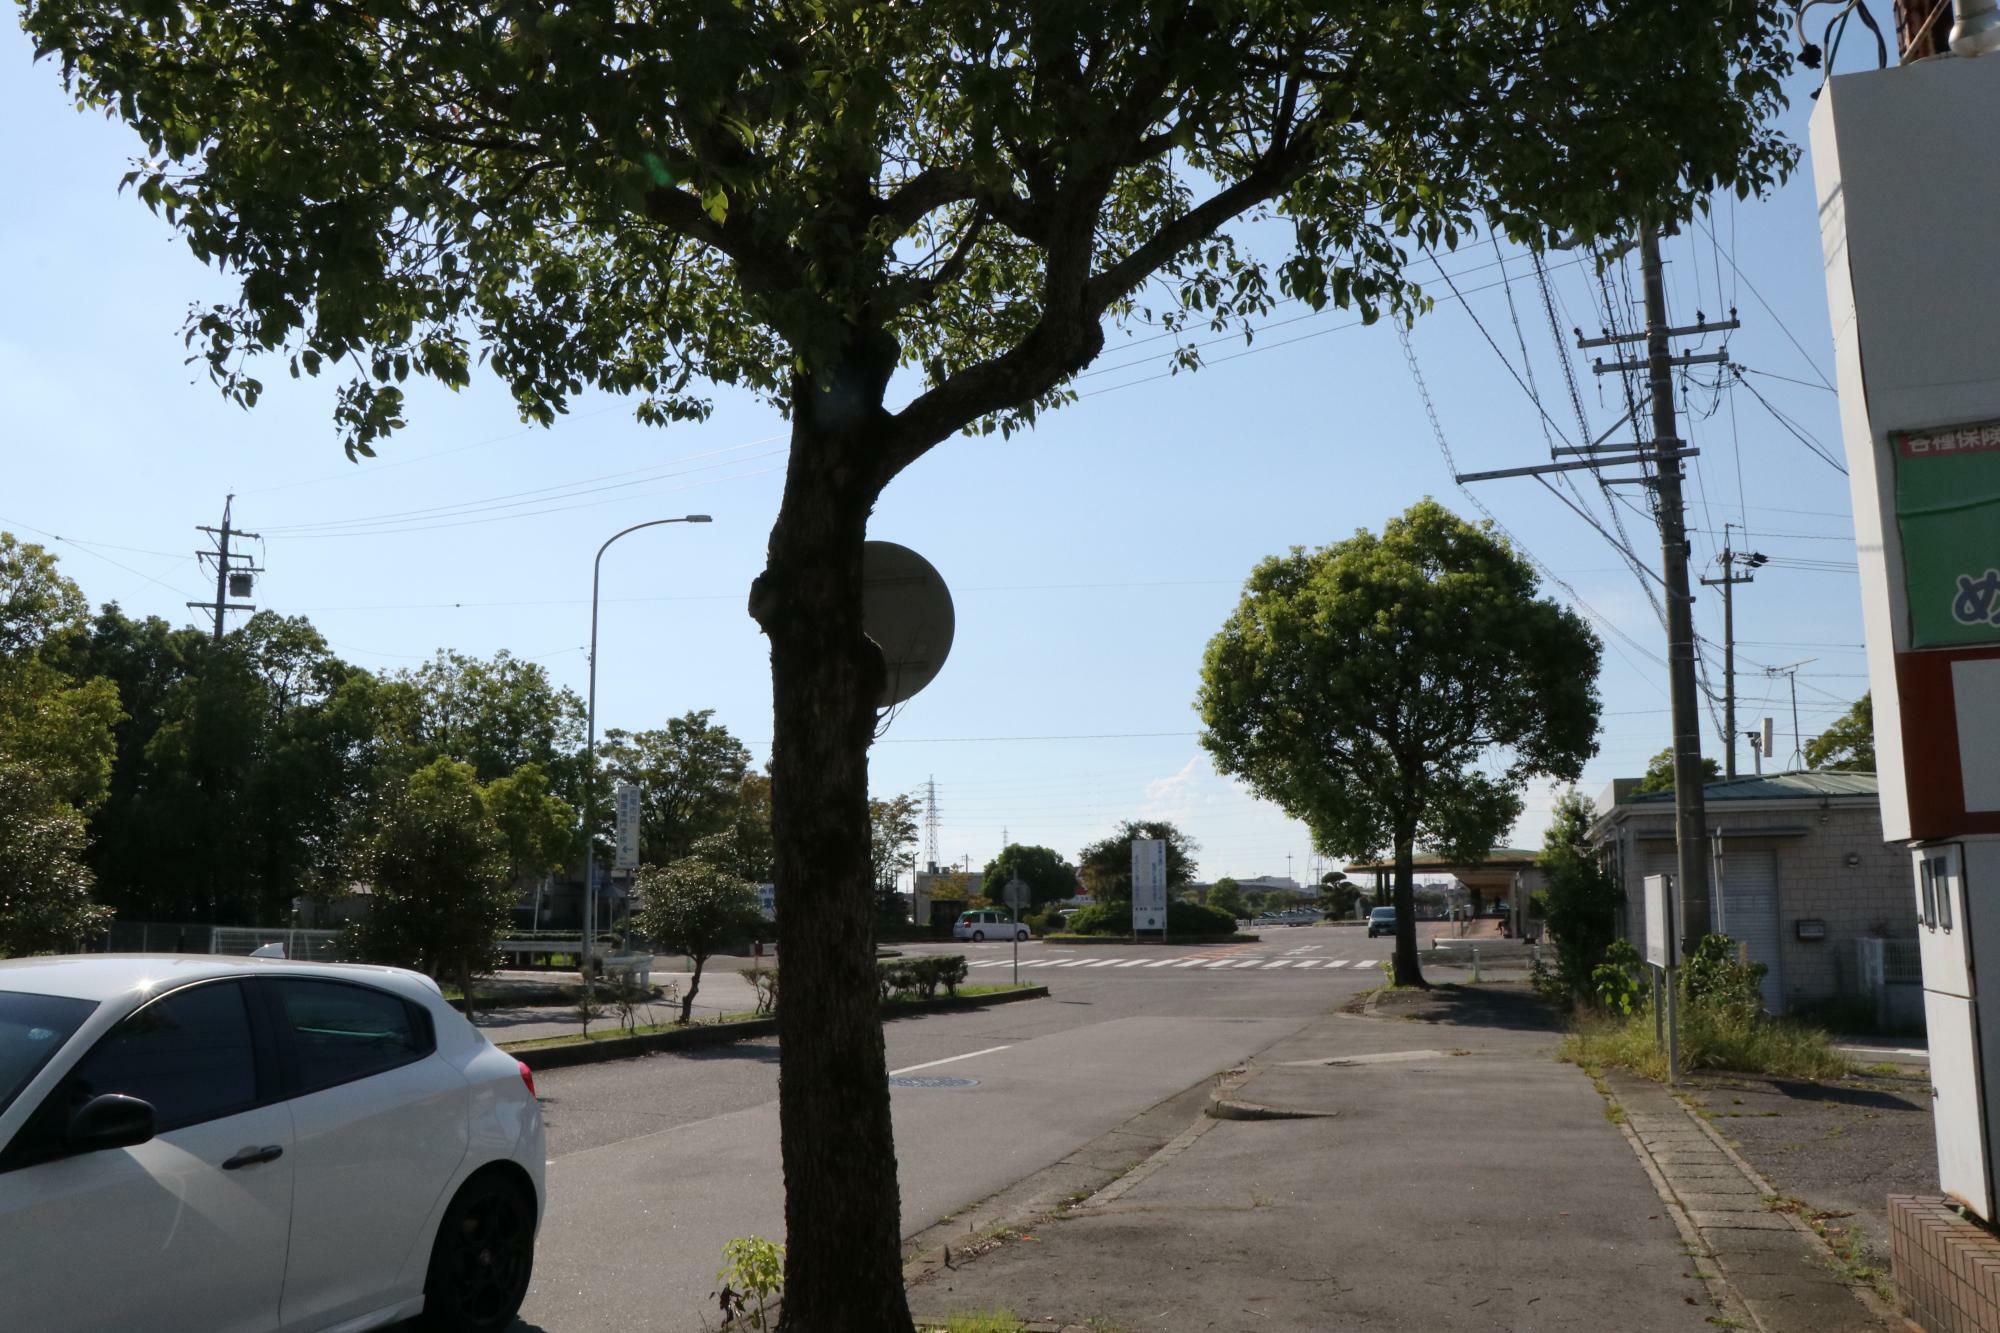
1948,511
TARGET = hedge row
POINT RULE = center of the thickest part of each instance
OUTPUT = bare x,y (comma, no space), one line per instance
920,976
916,978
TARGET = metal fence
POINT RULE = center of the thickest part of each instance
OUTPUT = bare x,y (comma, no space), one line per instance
196,937
1890,973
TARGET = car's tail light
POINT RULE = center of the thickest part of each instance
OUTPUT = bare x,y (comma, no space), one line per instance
527,1076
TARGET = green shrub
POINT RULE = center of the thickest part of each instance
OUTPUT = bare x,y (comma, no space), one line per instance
764,980
1182,919
1198,919
1712,977
1615,981
920,977
1102,919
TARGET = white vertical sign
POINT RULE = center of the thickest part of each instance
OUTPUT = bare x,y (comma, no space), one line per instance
625,800
1149,884
1661,901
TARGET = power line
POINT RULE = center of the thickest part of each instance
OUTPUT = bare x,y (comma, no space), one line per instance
569,489
1775,317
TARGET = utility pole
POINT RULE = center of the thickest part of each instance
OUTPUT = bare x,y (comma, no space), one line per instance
1690,812
1663,455
1791,673
1751,560
232,571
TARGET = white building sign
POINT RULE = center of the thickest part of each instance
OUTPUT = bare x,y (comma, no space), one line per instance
625,800
1149,884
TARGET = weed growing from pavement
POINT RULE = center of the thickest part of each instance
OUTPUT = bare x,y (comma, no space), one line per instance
1709,1039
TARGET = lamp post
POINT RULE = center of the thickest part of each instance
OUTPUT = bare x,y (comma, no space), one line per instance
590,746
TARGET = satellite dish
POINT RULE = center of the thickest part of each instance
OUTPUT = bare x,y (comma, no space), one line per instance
906,612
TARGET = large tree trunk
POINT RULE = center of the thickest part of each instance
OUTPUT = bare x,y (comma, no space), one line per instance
843,1259
1407,972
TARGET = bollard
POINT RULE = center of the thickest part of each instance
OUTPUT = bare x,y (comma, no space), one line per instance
1475,962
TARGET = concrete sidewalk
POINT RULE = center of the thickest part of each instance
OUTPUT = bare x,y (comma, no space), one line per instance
1445,1173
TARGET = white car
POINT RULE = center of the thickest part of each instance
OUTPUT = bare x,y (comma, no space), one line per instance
232,1145
987,925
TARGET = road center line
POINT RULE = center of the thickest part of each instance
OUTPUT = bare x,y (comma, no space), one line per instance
949,1059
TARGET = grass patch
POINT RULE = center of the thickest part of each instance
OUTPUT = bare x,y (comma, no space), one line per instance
1709,1040
977,1321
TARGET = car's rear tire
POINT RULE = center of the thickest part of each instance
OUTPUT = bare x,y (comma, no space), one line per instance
979,935
1020,934
482,1259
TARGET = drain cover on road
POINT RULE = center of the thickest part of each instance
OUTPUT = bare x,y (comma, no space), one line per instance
939,1081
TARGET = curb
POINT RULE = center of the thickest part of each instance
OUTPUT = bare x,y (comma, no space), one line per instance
1863,1293
1228,1108
567,1056
1722,1290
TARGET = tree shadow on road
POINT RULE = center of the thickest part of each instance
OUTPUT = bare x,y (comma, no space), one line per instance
1514,1008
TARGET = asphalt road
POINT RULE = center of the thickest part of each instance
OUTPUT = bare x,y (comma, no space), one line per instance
655,1163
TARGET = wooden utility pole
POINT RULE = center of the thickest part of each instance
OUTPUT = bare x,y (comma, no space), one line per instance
232,571
1663,455
1690,812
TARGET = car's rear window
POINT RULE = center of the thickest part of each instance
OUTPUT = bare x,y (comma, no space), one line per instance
32,1029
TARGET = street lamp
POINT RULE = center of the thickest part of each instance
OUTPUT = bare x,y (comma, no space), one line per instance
590,746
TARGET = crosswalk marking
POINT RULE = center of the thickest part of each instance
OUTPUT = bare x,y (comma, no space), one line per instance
1256,962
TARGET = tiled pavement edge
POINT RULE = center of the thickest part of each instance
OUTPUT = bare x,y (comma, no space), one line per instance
1766,1266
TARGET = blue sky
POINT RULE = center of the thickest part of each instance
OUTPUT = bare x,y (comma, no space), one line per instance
1091,558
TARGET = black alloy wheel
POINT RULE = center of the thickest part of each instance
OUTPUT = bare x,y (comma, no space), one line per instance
483,1258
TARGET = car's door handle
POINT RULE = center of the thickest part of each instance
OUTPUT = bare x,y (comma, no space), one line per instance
254,1156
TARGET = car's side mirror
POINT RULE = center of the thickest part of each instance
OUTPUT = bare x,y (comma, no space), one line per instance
109,1120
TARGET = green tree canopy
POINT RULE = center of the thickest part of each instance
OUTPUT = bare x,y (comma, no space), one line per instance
690,776
52,718
437,863
801,200
539,830
1660,772
1400,689
494,714
1049,878
694,907
1582,898
45,904
1226,895
1849,744
892,841
1105,866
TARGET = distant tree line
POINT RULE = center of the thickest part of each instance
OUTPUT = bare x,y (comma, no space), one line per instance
161,774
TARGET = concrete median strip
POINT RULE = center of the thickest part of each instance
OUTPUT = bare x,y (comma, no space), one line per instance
562,1053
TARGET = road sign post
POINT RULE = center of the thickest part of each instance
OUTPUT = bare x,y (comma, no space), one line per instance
1015,895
